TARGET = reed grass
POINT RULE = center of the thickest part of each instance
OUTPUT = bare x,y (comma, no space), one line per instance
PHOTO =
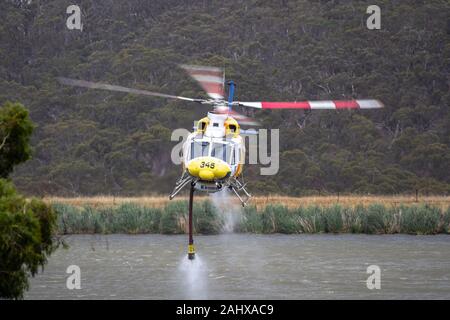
134,218
250,221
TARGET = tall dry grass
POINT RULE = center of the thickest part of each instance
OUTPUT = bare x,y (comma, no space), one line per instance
261,202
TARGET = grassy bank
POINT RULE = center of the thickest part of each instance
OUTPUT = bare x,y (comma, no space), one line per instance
171,218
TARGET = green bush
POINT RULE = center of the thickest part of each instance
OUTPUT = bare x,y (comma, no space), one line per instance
173,213
26,239
150,219
309,219
352,219
72,220
250,221
104,222
173,219
375,219
65,218
132,218
422,219
446,221
268,220
332,219
284,219
206,218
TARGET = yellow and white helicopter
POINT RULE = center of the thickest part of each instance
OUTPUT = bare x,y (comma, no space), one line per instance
214,154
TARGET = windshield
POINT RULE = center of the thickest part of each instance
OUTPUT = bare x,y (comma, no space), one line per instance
199,149
221,151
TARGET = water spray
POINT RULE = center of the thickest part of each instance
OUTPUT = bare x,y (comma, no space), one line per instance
229,210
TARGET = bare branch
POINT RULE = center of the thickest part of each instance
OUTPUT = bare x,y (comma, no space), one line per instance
4,141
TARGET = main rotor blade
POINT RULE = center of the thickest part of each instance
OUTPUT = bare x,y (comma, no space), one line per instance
110,87
240,118
211,79
312,105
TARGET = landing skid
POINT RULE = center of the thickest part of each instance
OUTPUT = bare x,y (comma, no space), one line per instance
240,191
181,183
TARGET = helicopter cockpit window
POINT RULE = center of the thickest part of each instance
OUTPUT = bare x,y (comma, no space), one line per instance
199,149
221,151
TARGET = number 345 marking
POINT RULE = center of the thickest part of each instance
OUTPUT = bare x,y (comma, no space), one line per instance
210,165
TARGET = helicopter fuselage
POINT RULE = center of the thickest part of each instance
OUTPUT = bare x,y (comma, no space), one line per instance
214,153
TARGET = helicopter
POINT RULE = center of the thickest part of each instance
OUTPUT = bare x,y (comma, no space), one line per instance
213,154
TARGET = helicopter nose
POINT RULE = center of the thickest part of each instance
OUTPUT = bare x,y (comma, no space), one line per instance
208,168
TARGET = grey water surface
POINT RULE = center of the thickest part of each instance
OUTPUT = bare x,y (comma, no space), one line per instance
248,266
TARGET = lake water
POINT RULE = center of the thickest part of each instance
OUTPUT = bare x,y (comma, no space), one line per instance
247,266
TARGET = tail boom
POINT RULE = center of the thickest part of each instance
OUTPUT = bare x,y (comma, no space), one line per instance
312,105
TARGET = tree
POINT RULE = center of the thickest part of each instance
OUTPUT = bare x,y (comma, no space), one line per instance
26,226
26,239
300,50
15,131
